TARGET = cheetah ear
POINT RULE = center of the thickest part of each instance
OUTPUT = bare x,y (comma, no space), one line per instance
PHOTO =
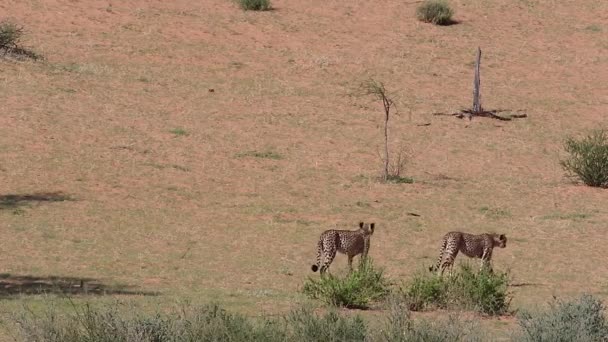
372,226
361,224
502,237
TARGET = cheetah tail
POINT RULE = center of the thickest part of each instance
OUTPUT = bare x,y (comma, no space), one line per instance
440,259
315,267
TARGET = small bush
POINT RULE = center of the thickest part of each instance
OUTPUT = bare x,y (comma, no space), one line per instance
358,289
588,158
255,5
482,291
426,291
437,12
10,36
581,319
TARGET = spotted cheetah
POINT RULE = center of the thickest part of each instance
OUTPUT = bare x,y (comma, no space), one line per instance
473,246
349,242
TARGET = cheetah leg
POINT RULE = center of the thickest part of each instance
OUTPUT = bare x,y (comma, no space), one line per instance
328,259
485,260
440,259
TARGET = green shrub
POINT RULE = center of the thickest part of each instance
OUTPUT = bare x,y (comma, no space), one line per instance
358,289
10,34
255,5
437,12
581,319
588,158
425,291
482,291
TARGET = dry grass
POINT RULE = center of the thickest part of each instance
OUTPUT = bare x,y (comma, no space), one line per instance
184,216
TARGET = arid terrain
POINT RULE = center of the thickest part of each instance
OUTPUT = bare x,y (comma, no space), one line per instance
169,151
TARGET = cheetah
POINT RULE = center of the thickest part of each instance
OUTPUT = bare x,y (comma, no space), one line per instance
473,246
349,242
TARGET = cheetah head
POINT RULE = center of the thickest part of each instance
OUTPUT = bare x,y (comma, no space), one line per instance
367,228
501,241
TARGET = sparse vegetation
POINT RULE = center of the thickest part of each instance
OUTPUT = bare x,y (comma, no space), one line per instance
308,327
10,34
588,158
118,323
255,5
467,289
437,12
260,154
401,328
179,131
10,39
399,180
359,289
392,168
581,319
206,323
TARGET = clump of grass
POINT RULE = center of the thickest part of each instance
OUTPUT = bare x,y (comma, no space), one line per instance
401,328
437,12
581,319
308,327
483,291
255,5
588,158
359,289
10,34
179,131
10,39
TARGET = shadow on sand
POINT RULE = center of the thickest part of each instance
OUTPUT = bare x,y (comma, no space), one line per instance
14,201
16,285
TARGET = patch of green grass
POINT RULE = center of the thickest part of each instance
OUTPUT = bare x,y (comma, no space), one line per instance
179,132
437,12
482,291
359,289
258,154
570,216
255,5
